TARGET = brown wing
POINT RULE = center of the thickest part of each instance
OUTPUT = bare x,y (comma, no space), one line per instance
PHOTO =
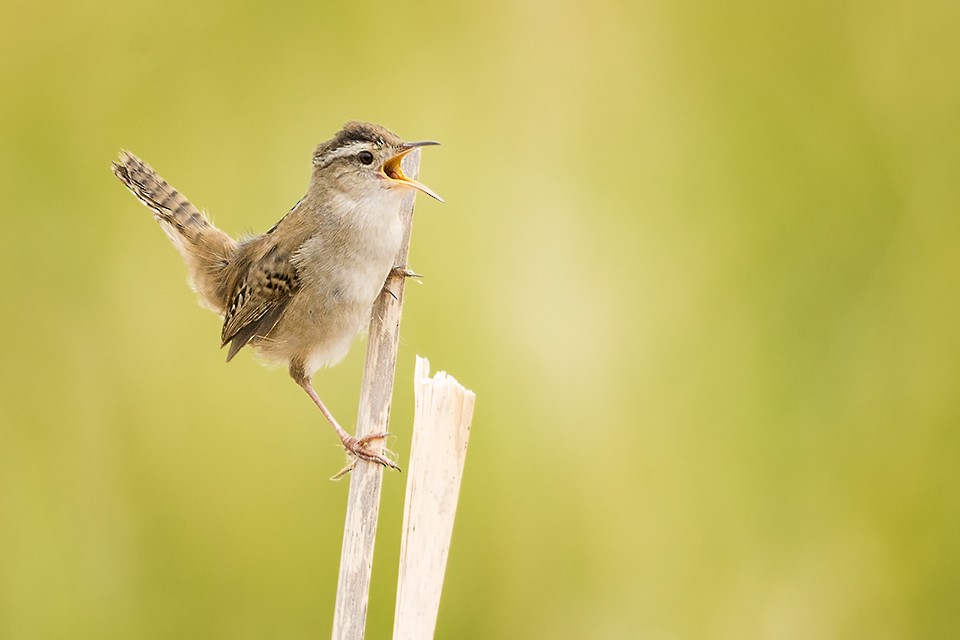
258,301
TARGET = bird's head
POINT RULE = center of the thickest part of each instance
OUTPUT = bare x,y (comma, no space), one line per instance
363,158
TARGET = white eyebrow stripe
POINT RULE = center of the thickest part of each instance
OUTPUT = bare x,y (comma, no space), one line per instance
353,148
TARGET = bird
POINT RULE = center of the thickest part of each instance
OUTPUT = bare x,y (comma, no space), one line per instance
300,292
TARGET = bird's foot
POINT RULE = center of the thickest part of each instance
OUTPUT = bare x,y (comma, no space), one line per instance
360,449
404,272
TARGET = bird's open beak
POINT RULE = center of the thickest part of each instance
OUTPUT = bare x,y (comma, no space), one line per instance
391,168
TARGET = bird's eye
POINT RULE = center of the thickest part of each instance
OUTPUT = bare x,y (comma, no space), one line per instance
365,157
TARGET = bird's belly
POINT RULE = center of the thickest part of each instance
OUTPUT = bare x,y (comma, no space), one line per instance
339,282
324,317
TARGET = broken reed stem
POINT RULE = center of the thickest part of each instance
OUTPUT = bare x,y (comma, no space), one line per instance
438,448
366,479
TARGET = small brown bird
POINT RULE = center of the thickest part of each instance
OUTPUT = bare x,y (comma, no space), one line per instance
300,292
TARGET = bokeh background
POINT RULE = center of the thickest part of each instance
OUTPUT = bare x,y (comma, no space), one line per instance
699,262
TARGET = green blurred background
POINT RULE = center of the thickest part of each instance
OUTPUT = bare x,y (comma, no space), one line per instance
699,262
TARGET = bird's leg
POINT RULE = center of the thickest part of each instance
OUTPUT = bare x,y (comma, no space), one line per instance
358,447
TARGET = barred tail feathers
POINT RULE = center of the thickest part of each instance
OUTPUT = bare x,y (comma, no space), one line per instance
206,249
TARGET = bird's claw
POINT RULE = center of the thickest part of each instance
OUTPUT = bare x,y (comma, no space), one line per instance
360,449
405,272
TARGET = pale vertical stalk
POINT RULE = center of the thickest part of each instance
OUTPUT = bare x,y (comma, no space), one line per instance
363,502
441,427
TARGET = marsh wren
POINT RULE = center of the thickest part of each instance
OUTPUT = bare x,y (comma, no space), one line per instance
300,292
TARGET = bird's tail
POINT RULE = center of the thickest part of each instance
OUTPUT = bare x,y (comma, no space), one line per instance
206,249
